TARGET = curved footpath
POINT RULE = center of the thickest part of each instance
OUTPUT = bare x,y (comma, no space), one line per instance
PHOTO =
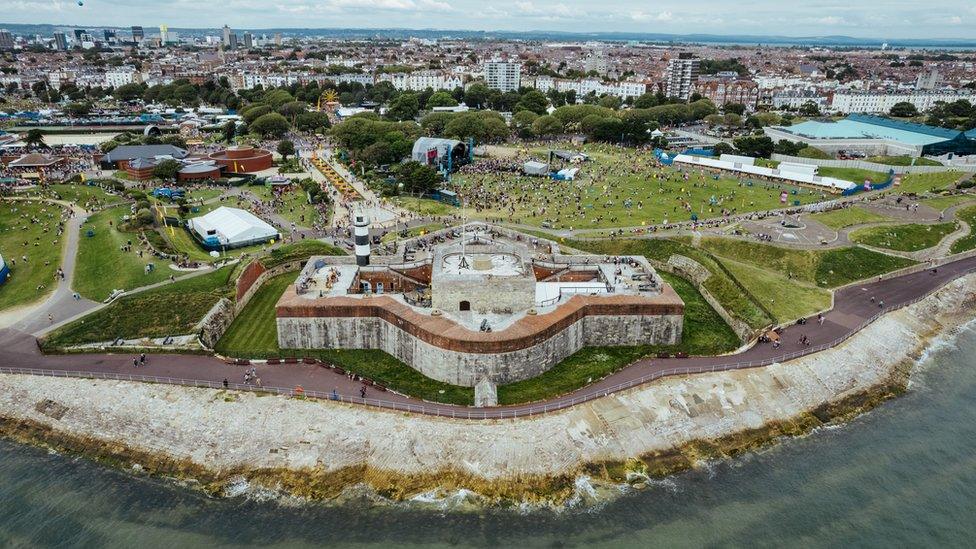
852,311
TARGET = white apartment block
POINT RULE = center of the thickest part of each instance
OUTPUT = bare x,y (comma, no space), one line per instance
585,86
121,77
421,80
502,75
868,102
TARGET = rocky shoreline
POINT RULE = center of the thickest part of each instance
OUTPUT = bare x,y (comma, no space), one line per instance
230,443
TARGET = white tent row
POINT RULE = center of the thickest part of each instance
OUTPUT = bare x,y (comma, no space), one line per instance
785,172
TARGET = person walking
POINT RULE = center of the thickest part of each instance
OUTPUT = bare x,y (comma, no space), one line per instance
135,362
225,383
362,392
142,359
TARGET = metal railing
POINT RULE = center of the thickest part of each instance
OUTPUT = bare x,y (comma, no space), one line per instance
464,412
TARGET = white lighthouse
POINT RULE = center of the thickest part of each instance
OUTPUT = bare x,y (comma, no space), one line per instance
361,232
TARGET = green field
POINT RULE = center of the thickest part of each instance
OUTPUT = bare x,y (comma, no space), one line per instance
87,196
847,217
927,182
34,279
253,332
291,204
903,161
967,242
617,189
413,231
813,152
942,203
856,175
910,237
786,299
300,250
172,309
720,284
101,264
424,207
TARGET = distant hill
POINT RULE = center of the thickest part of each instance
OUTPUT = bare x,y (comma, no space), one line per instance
664,38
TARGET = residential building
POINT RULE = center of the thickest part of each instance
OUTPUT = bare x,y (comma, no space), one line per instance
875,102
6,40
503,75
138,34
60,41
721,91
681,75
227,35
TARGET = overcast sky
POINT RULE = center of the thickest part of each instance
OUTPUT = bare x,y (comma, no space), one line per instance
859,18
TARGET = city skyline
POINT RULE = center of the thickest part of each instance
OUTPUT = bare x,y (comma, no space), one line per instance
899,19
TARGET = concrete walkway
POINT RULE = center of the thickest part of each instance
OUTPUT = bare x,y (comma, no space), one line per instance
855,306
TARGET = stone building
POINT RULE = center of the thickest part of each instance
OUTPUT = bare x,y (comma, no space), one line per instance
486,304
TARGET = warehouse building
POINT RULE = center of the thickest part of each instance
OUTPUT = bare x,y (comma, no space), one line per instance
877,135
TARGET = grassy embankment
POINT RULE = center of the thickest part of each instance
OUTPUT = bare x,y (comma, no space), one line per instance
910,237
101,264
967,242
19,237
847,217
903,161
172,309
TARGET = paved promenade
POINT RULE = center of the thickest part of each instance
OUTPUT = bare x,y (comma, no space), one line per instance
853,309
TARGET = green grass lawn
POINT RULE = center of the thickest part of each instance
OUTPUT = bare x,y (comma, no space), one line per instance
300,250
253,334
617,189
910,237
719,284
903,161
856,175
101,264
786,299
824,268
423,206
413,231
942,203
172,309
86,196
927,182
967,242
38,241
847,217
813,152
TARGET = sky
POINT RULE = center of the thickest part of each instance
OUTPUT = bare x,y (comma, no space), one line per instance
858,18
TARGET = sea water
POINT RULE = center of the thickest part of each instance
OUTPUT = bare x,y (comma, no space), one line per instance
903,475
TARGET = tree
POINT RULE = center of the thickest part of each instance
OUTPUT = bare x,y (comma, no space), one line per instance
404,107
758,146
787,147
286,148
903,109
646,101
441,99
78,108
166,170
810,109
128,92
229,131
734,108
476,95
417,178
35,139
522,123
312,122
292,109
270,125
547,126
721,148
533,101
610,102
253,112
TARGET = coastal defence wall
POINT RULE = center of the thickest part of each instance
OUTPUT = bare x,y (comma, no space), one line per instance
229,439
460,367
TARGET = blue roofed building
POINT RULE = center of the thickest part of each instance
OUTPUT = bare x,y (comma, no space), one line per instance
877,135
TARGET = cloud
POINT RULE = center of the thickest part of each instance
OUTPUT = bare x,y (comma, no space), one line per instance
641,16
955,20
831,20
